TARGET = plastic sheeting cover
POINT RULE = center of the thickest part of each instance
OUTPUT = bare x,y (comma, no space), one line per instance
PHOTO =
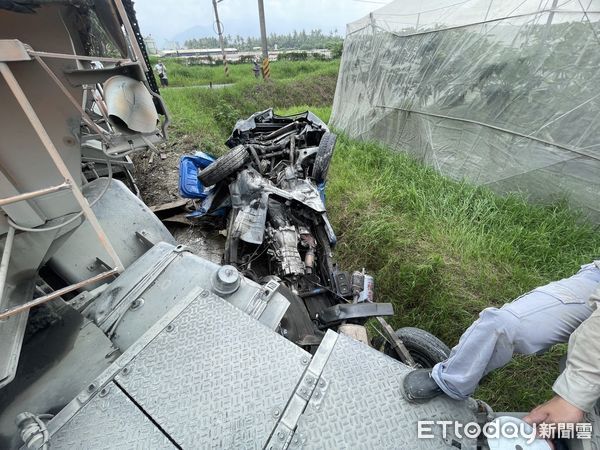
503,93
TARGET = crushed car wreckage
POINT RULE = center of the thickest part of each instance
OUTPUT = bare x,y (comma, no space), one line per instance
272,184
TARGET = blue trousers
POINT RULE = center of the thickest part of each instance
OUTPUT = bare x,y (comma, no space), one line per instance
530,324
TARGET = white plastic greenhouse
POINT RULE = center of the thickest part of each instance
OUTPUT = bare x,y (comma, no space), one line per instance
502,93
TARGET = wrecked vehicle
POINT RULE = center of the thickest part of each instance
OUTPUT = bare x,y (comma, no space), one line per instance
273,180
114,336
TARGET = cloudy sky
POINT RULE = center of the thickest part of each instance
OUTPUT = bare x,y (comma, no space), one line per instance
178,20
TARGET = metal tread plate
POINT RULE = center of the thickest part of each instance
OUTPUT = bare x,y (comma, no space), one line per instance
110,421
215,376
361,405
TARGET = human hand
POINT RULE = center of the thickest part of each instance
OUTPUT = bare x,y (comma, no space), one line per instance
556,410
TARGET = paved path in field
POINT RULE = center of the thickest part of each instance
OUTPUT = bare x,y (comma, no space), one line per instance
206,86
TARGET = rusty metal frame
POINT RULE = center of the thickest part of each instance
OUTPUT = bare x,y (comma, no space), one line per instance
46,298
37,56
70,182
396,343
6,253
29,195
84,115
35,53
21,52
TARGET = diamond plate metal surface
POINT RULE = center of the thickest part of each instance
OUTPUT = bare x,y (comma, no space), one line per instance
361,405
214,377
110,421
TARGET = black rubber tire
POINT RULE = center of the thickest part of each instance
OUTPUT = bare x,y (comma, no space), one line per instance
323,157
426,349
224,166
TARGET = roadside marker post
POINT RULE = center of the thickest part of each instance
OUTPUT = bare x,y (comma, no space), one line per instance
266,69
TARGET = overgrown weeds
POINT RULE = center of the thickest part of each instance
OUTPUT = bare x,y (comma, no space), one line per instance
197,75
441,251
210,114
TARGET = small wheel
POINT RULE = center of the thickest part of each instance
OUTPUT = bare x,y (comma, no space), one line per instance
426,349
323,157
224,166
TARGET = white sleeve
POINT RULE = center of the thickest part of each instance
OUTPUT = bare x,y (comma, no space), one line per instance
579,384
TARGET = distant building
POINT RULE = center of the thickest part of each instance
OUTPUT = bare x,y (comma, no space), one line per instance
197,52
151,45
193,56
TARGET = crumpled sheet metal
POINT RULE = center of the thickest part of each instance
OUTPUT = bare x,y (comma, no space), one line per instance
249,195
502,94
129,102
268,115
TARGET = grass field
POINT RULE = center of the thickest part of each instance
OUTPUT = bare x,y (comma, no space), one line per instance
440,250
197,75
209,114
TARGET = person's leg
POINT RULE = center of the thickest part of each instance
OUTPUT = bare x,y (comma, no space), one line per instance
531,324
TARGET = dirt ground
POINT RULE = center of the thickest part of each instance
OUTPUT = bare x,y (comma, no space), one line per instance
157,177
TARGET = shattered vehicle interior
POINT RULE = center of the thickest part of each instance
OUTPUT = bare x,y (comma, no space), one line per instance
112,335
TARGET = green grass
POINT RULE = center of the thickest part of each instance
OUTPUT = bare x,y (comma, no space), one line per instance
182,75
210,114
323,112
440,250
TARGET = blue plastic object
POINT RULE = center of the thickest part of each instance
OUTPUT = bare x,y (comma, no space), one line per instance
321,191
206,205
189,184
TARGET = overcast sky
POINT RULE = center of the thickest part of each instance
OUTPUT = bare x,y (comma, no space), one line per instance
173,19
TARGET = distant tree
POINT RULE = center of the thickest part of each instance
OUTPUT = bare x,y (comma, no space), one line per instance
336,49
290,41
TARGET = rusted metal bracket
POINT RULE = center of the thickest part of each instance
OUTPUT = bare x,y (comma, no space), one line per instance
38,127
396,343
33,194
46,298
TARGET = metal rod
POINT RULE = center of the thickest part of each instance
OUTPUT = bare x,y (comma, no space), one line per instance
46,298
33,194
10,237
77,57
456,27
494,127
74,102
551,15
396,343
20,96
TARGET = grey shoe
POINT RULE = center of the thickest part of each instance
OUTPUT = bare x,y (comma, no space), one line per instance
418,386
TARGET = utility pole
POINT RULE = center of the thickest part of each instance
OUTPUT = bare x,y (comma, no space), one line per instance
220,32
266,71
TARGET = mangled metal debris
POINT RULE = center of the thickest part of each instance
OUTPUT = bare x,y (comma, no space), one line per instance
271,185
